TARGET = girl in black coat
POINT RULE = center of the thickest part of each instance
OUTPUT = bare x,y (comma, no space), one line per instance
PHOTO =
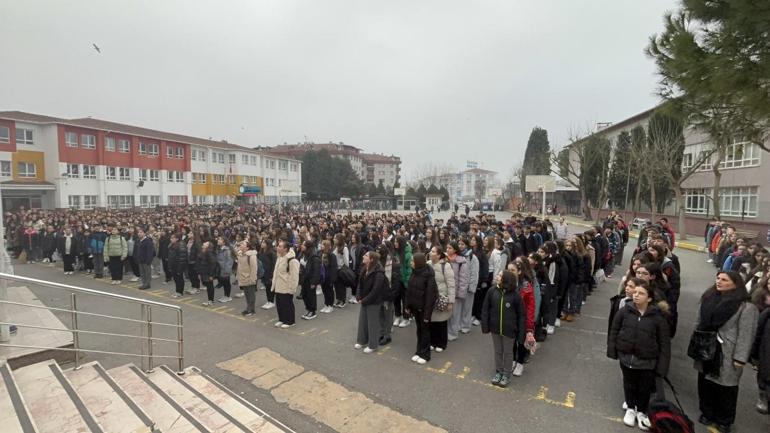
372,287
483,285
420,298
329,275
309,277
268,257
760,352
503,316
640,339
206,268
177,263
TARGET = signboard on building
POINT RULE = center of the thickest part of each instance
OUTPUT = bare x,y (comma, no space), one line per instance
399,191
249,190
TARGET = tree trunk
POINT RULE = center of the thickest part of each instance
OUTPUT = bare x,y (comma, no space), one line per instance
651,181
638,197
717,182
584,205
680,208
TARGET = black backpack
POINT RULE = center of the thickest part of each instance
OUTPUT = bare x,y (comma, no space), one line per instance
667,417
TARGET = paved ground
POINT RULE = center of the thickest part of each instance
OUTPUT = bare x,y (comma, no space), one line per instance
570,385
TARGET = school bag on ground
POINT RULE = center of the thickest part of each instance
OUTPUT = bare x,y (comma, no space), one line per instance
667,417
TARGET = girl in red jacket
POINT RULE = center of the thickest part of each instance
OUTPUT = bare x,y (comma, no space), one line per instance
526,291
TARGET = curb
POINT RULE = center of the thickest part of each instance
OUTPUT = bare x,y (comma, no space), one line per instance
682,245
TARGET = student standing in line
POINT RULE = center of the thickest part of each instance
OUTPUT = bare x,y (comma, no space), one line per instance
760,352
639,338
329,266
205,266
225,262
445,284
177,262
247,271
503,317
461,269
116,249
285,282
420,299
310,277
145,256
267,257
371,289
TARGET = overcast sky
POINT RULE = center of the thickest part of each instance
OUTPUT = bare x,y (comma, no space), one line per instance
431,81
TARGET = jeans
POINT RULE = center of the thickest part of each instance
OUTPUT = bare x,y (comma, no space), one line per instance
224,280
504,348
575,293
99,265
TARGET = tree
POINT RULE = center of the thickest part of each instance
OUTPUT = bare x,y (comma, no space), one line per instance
327,178
621,185
444,194
713,60
639,154
582,163
480,189
380,188
537,159
421,191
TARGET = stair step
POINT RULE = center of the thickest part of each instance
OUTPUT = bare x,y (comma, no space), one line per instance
114,410
168,415
225,399
213,418
52,401
14,416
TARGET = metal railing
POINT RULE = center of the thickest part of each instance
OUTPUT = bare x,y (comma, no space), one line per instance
146,322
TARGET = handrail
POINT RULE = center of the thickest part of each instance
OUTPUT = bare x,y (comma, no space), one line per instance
146,321
88,291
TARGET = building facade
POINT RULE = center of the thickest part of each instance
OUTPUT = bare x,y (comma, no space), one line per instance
49,162
467,185
371,168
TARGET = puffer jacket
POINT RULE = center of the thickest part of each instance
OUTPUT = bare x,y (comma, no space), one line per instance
225,261
373,286
116,246
445,283
247,271
526,291
177,257
206,264
421,292
406,265
462,272
286,274
503,313
640,341
473,270
760,352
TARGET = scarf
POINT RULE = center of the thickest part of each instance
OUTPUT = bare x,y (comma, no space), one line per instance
716,310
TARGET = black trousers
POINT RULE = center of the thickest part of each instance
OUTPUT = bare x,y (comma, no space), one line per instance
209,283
269,289
192,274
438,334
717,402
328,290
284,304
69,261
548,306
309,297
167,270
340,291
398,301
116,268
88,262
423,335
478,298
638,385
224,281
179,281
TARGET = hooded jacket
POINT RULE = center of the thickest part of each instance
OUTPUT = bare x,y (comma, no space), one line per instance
503,313
373,286
421,292
286,274
248,268
177,257
445,284
115,246
461,269
640,341
473,270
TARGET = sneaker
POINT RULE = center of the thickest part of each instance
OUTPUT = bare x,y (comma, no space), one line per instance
238,295
476,322
225,299
318,291
643,421
358,346
625,406
46,260
550,329
504,381
439,350
352,300
191,291
415,358
207,303
496,378
465,331
176,295
327,309
630,418
309,316
710,261
432,348
368,350
287,326
518,370
451,338
278,324
397,322
761,405
384,341
247,313
341,304
404,323
421,361
135,279
165,283
557,323
268,305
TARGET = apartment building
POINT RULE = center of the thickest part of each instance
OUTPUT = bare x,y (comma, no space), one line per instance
465,185
50,162
371,168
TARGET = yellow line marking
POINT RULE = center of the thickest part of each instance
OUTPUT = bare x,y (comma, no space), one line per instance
383,350
323,332
570,400
464,373
219,309
157,291
541,393
441,370
308,331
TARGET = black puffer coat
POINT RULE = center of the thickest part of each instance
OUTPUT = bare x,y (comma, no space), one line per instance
422,292
503,313
206,266
760,352
373,286
177,258
640,341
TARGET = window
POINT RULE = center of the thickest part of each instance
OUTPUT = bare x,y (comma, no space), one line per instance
73,170
169,152
738,202
219,178
175,176
124,146
180,152
111,173
177,200
124,173
202,155
194,154
24,136
294,166
74,201
27,169
5,134
88,141
89,171
120,201
147,201
5,168
696,200
154,176
89,201
253,160
143,174
271,163
179,176
153,149
221,158
142,148
741,154
71,139
231,179
283,165
231,158
245,159
109,144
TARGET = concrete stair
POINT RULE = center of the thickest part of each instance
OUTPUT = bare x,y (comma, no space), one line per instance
41,398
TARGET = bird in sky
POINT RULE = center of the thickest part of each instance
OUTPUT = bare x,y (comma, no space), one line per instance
96,47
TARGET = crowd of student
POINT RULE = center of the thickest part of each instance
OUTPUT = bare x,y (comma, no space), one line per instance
516,280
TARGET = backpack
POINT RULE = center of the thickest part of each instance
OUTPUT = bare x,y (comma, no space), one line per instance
667,417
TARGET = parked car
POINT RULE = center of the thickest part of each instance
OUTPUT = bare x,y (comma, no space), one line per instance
638,223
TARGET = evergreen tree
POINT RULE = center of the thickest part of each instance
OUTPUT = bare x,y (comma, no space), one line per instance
327,178
537,155
421,191
444,193
380,188
622,182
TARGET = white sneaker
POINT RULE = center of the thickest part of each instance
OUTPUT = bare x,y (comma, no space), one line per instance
643,421
397,321
327,309
439,350
268,305
451,338
415,358
224,299
135,279
421,361
278,324
352,300
404,323
357,346
625,406
46,260
207,303
287,326
549,329
710,261
176,295
518,370
368,350
238,295
476,322
630,418
318,291
557,323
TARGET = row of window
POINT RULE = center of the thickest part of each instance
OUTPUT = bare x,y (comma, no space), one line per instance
733,202
737,155
23,136
88,141
122,201
23,169
221,179
119,173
